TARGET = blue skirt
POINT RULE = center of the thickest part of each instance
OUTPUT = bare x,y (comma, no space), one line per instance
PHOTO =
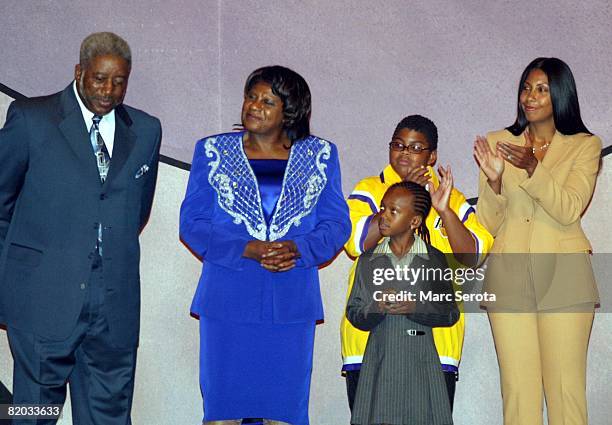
256,370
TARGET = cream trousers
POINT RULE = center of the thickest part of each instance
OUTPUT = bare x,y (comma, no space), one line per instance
543,351
239,421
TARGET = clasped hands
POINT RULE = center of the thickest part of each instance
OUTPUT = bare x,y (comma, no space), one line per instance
395,307
276,256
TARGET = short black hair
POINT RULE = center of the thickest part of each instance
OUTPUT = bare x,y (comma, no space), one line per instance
563,94
422,125
422,202
293,92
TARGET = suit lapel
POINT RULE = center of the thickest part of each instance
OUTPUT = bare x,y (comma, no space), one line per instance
75,132
125,139
556,151
512,172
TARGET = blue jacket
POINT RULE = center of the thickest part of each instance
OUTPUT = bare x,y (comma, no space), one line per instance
222,212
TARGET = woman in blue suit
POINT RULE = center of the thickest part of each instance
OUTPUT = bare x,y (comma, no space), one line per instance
264,208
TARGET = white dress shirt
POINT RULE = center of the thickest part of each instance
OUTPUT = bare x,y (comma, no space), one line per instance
107,123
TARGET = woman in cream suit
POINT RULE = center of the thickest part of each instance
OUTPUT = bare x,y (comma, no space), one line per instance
536,180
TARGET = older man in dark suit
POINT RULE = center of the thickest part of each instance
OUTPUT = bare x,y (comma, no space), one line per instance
77,180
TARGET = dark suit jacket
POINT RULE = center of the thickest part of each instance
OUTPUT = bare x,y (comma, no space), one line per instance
51,200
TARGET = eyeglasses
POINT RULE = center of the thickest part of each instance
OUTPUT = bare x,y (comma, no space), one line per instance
400,147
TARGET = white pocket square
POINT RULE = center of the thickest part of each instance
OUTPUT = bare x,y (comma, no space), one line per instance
142,171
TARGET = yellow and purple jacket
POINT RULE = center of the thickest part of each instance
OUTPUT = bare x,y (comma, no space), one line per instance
364,203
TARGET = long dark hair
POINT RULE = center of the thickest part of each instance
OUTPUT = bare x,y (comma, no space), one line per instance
421,206
566,110
293,92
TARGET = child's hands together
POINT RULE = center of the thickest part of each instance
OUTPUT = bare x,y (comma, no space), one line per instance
395,307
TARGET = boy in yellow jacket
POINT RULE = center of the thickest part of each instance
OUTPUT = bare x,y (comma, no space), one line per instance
452,225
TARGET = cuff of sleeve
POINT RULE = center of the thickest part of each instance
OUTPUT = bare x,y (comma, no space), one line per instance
361,233
225,251
492,198
302,248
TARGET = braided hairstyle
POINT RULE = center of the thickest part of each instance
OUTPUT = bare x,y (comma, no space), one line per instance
421,205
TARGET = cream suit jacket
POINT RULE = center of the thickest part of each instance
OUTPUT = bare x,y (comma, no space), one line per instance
536,224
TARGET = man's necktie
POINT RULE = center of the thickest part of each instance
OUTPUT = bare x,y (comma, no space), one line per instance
103,162
102,155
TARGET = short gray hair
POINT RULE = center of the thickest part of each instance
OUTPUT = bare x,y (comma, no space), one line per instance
104,43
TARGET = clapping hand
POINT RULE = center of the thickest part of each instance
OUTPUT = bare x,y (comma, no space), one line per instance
440,197
520,156
418,175
491,163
